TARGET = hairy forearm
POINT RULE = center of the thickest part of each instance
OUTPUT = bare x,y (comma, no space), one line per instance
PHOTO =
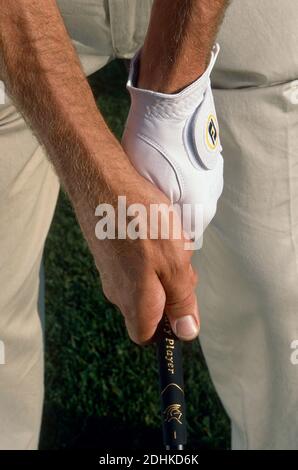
42,73
178,43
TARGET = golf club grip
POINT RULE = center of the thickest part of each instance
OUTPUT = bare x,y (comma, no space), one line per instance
171,384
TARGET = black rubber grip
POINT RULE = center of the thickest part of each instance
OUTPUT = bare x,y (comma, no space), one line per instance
171,384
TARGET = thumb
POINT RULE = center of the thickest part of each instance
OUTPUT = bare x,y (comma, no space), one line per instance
181,305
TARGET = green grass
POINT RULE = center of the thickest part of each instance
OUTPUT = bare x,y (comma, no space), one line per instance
99,386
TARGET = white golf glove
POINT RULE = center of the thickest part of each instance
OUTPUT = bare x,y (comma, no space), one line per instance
173,141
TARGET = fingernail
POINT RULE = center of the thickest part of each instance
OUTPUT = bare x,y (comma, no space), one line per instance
186,327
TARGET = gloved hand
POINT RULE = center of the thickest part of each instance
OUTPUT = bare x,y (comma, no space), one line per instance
173,141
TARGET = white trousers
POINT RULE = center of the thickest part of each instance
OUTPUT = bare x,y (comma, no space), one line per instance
248,290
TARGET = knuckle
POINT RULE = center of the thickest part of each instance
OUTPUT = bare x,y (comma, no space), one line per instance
180,271
181,302
176,268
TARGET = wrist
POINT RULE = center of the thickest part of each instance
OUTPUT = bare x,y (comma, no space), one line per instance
178,43
169,79
144,98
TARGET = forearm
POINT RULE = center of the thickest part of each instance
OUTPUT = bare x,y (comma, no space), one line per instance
178,43
42,73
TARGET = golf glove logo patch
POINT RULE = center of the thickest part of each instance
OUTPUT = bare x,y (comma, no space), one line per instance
212,132
173,141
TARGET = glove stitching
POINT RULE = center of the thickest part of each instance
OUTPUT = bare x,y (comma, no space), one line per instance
179,111
175,168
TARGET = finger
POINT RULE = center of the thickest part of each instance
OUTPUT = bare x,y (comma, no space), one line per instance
144,314
181,303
